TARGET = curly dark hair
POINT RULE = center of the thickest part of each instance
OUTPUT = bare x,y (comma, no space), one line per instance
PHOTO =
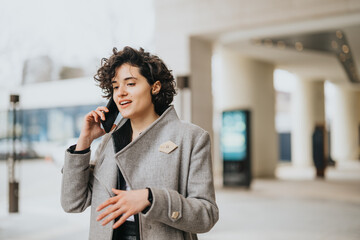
150,66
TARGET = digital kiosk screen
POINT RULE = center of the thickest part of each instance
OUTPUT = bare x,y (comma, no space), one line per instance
233,136
235,147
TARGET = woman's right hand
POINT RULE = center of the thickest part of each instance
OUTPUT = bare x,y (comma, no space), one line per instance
91,128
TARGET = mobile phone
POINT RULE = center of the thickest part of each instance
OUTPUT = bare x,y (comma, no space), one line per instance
110,116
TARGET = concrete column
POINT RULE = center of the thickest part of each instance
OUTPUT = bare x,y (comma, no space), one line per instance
201,102
308,110
200,84
358,123
242,83
345,125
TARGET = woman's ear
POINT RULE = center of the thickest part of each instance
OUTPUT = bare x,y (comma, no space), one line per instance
156,87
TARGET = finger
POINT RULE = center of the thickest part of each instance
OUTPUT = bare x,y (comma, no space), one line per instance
116,191
101,114
105,109
103,205
106,203
108,211
112,216
89,116
121,220
105,213
95,116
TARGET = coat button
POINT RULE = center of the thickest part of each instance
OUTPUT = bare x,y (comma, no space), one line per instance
175,215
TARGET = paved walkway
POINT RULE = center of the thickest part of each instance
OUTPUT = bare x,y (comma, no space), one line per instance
272,209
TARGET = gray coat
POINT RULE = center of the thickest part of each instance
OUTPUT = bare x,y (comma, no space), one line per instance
181,181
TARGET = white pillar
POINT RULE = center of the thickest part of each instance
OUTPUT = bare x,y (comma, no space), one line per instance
308,110
345,124
243,83
200,84
358,122
201,104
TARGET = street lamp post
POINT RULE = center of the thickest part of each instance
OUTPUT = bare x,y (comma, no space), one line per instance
13,184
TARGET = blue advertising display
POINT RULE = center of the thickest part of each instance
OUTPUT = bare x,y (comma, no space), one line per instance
234,135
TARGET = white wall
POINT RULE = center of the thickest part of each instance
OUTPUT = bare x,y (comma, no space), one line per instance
82,91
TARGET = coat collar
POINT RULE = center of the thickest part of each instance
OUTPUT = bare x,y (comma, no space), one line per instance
130,159
107,175
121,130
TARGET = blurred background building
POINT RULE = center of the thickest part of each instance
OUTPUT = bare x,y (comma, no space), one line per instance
293,64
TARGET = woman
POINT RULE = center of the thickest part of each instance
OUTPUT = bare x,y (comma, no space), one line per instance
153,176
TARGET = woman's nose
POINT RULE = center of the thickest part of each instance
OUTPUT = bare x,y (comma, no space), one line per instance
121,91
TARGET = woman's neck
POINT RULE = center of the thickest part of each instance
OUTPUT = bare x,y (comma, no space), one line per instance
140,124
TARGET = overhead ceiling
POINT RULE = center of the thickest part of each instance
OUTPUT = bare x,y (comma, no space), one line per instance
308,62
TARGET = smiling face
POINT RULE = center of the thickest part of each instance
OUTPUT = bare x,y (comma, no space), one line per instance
131,93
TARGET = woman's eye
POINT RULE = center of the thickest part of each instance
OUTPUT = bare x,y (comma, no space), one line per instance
116,87
131,84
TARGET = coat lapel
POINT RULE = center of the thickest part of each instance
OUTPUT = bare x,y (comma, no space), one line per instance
132,158
106,171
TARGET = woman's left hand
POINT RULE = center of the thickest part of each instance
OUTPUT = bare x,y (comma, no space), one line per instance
125,203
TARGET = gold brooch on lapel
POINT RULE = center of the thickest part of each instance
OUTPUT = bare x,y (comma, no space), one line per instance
167,147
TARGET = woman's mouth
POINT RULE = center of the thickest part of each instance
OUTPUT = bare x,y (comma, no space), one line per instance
125,103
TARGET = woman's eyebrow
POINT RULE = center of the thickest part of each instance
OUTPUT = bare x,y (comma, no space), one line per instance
130,78
125,79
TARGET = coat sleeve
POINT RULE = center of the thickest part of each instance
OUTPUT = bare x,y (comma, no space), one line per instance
197,212
77,180
76,187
